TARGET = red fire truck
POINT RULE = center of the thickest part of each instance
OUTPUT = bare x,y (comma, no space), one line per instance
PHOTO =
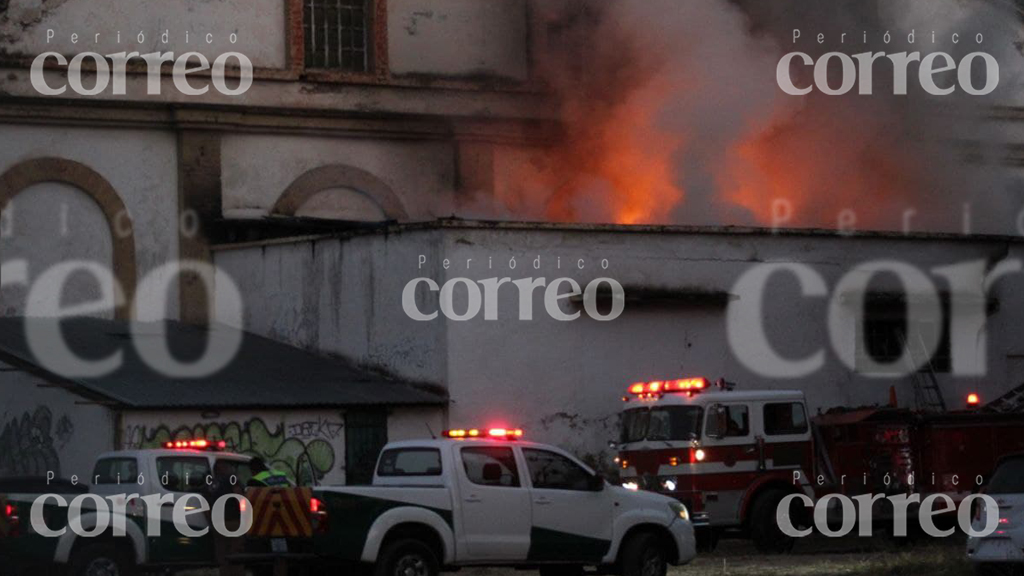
731,456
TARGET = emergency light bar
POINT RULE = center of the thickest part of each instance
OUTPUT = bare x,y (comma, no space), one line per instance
195,445
506,433
651,389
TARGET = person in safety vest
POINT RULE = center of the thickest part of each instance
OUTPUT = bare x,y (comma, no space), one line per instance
263,477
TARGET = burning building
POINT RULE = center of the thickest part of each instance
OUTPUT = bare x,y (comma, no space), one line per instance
648,141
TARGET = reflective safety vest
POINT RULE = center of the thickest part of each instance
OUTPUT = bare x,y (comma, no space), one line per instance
272,478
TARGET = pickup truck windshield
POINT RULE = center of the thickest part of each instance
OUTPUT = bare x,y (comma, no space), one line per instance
115,471
410,462
183,473
662,423
1009,478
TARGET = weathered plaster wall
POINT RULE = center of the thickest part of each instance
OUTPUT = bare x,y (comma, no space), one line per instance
432,38
45,429
258,168
51,223
23,30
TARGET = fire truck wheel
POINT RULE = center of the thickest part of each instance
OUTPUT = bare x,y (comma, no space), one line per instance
101,559
643,555
764,528
407,557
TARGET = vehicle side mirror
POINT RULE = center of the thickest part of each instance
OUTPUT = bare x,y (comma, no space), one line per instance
596,483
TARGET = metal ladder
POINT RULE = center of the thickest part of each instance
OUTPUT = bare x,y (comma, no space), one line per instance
1012,401
927,395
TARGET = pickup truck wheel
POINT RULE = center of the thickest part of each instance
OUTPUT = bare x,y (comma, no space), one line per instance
764,528
643,555
562,570
407,557
100,560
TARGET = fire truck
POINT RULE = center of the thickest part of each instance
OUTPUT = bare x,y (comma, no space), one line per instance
731,456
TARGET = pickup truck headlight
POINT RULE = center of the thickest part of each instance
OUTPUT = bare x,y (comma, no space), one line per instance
679,509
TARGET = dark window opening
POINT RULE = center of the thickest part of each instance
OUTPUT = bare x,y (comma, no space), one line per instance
336,34
366,433
886,335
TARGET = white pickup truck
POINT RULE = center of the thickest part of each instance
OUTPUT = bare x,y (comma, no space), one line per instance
123,480
486,498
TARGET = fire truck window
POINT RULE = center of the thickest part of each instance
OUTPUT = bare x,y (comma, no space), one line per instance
674,423
183,473
784,418
1008,478
410,462
730,421
634,425
115,471
555,472
491,466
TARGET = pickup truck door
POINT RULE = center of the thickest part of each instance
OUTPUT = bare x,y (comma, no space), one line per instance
572,519
494,505
182,476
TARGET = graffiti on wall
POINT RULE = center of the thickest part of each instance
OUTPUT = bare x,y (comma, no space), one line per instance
29,444
287,449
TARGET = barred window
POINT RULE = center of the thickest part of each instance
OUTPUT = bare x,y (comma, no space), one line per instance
336,34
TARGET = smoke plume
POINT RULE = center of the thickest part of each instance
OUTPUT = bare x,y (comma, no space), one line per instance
672,114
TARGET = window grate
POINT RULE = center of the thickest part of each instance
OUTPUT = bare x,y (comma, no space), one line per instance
336,34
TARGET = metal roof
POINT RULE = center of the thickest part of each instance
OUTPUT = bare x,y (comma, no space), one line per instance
263,373
345,230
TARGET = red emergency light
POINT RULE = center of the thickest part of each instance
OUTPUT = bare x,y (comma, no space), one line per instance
973,399
505,433
657,387
199,444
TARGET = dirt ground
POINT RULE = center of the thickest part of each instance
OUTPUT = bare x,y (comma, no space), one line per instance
819,556
814,556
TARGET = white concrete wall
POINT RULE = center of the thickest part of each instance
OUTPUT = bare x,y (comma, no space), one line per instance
458,38
258,168
340,297
563,381
262,39
52,223
415,422
45,429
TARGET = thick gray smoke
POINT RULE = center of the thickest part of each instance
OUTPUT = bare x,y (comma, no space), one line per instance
673,115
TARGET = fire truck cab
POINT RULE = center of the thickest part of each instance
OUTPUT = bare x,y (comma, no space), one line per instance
729,456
